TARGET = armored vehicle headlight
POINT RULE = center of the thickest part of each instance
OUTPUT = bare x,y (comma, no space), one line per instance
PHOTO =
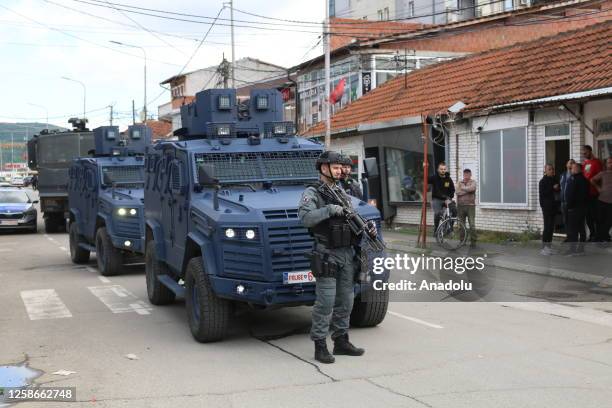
250,234
230,233
122,212
223,131
133,211
280,129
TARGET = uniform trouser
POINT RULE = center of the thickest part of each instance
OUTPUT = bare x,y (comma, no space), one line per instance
591,216
334,298
605,221
469,212
575,229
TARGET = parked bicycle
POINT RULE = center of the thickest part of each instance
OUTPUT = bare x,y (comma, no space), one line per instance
451,233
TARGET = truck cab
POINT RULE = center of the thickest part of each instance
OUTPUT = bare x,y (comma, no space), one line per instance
106,199
51,153
221,211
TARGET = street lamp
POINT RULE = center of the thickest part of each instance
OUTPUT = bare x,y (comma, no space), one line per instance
84,93
145,72
46,110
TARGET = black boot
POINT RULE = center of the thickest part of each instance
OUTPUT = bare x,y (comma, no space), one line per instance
342,346
322,353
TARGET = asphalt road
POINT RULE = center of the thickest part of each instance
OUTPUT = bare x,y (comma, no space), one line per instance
58,316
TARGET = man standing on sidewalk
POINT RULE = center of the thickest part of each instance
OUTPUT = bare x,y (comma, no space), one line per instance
547,188
563,185
466,203
603,183
442,192
577,196
591,167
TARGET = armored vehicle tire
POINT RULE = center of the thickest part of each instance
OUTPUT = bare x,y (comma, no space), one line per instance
109,258
52,224
158,293
370,308
208,315
77,254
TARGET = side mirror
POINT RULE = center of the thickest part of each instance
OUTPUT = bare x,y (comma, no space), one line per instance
370,164
206,177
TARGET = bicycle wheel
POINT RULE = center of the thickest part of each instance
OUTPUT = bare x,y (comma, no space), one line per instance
451,234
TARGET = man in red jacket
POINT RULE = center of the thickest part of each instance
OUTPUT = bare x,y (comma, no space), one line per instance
591,167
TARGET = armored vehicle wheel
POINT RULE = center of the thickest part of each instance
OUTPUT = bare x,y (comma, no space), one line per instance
51,224
158,293
208,315
370,308
77,254
110,259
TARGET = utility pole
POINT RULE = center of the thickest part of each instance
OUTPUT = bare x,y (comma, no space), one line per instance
133,113
233,47
111,114
327,110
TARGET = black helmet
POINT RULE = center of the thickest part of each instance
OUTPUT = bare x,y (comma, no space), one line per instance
346,160
328,157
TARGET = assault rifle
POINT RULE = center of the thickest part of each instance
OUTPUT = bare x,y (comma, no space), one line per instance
359,225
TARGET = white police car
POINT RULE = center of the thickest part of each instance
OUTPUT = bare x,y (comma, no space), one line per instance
17,210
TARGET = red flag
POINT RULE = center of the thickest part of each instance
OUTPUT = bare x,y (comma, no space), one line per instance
336,94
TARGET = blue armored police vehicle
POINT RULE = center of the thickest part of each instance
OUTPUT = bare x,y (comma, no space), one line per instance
106,199
221,212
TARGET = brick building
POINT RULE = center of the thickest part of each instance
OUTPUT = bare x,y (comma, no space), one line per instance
525,105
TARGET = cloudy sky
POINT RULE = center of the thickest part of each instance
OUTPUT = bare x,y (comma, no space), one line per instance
42,41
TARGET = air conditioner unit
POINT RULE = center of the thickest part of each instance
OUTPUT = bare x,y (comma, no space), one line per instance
524,2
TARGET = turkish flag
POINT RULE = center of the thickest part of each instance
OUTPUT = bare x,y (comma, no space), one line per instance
336,94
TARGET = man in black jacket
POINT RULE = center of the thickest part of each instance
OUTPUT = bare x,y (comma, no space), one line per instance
547,188
442,192
577,195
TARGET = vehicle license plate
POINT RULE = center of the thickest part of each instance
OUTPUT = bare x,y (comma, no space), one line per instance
9,222
298,277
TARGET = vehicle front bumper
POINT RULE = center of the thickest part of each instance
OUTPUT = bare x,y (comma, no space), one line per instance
136,244
264,293
25,222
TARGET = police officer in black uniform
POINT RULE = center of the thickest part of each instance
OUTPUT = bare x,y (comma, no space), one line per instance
332,261
349,185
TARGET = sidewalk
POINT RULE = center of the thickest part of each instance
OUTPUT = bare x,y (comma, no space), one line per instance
595,267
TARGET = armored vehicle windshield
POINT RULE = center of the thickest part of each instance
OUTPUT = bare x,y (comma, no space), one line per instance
251,167
123,176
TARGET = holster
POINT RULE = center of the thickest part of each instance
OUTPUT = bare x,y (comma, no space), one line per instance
321,266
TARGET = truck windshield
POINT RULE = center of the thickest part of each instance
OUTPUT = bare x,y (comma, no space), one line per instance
261,166
125,176
63,148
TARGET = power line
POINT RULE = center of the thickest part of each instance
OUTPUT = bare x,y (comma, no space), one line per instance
147,30
77,37
192,55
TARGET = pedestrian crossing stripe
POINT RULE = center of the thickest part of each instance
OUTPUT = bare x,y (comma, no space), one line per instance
44,304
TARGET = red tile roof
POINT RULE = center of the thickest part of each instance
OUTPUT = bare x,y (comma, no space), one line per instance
345,30
570,62
160,129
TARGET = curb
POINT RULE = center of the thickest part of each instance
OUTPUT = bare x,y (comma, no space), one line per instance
601,281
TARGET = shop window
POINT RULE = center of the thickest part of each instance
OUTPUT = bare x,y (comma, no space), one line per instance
405,174
503,167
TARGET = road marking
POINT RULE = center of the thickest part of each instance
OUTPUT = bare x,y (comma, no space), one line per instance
104,279
63,248
44,304
415,320
581,313
120,300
